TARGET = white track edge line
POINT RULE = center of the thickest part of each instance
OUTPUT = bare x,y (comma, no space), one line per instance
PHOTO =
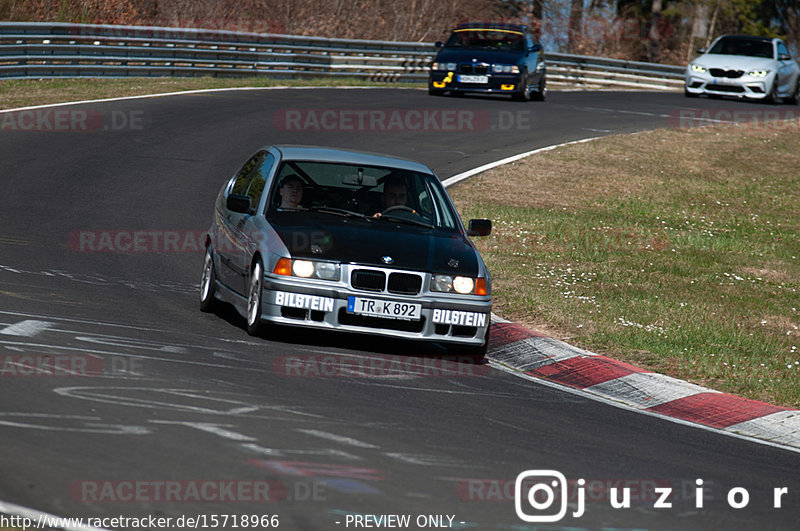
480,169
193,91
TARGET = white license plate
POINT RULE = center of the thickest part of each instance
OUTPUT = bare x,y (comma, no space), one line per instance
473,79
386,309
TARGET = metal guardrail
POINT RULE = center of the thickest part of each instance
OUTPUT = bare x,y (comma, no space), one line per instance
54,50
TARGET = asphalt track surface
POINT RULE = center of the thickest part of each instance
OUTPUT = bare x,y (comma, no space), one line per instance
175,395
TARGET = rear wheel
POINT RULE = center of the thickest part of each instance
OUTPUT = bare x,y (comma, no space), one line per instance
208,283
255,327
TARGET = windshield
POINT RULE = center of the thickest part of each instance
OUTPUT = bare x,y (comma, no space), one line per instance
742,46
493,39
371,193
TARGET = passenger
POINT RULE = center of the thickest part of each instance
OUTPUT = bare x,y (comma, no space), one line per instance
291,192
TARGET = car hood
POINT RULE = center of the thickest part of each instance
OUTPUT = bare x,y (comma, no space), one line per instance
734,62
466,55
367,242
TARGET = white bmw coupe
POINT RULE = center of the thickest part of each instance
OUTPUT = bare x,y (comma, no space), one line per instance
757,68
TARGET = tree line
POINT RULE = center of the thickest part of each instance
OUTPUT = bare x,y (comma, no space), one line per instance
666,31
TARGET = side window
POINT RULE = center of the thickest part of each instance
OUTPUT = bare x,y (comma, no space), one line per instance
245,173
782,49
251,179
256,185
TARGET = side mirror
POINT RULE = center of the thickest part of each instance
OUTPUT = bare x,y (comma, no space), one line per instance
479,227
701,51
238,203
536,48
439,44
784,57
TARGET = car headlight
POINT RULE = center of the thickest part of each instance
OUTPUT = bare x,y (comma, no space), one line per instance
443,66
697,68
308,269
759,73
505,69
459,284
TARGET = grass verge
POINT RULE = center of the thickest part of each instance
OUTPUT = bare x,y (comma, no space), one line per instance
23,93
675,250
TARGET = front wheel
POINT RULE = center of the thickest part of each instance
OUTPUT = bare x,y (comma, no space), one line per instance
477,353
773,93
794,99
255,327
541,93
524,94
208,283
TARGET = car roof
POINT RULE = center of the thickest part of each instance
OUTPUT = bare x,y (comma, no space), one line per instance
491,25
347,156
749,37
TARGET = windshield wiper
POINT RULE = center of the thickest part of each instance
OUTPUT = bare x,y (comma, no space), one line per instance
338,212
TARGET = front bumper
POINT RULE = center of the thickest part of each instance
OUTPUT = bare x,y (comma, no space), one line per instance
756,88
494,83
443,318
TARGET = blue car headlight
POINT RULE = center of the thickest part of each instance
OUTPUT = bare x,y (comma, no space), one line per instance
505,69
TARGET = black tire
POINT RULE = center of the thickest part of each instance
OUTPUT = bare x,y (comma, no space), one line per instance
794,99
477,353
541,93
773,93
690,94
208,283
255,292
524,93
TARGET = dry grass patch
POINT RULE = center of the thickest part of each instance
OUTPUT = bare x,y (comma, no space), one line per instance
677,250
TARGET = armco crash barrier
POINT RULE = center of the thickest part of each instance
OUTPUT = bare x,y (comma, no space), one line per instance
50,50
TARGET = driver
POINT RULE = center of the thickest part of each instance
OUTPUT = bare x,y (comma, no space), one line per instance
291,192
395,194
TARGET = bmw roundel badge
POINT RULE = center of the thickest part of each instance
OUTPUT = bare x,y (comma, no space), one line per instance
387,259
